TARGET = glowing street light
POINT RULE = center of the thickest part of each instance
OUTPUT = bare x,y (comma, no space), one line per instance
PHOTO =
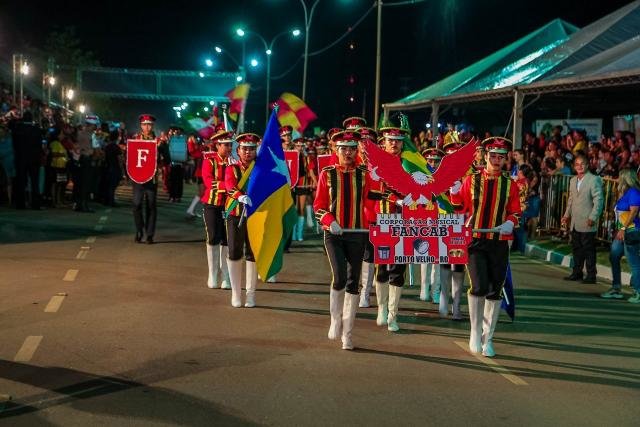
212,103
52,81
201,74
82,108
70,94
208,62
218,49
268,50
24,69
240,32
239,79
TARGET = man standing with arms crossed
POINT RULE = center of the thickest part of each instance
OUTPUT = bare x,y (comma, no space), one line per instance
489,199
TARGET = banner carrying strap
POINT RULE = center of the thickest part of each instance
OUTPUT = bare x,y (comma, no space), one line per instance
242,184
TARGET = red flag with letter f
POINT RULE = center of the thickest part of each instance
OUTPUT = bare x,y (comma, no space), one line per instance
142,160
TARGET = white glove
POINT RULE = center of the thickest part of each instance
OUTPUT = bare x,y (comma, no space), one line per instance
334,228
506,227
245,200
455,188
399,202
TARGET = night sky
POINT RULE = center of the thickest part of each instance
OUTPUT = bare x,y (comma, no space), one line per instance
422,43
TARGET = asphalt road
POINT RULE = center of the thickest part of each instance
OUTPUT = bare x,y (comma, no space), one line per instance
98,330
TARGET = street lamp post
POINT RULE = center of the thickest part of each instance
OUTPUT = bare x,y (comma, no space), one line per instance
268,50
24,70
307,27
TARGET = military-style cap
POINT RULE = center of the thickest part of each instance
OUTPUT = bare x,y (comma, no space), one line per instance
353,123
298,141
248,140
433,154
392,132
332,132
497,144
222,137
347,138
368,133
286,130
146,119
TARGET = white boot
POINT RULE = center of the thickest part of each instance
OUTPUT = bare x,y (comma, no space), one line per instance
336,301
250,284
348,319
235,276
425,284
224,270
445,291
395,292
300,229
476,314
192,206
491,314
382,295
457,284
213,256
309,210
367,282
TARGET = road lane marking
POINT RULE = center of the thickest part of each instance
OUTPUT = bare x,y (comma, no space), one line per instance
91,239
493,365
28,349
70,276
82,254
103,218
55,303
98,227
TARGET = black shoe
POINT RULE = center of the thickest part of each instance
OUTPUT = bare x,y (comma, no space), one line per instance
149,240
572,277
138,237
589,281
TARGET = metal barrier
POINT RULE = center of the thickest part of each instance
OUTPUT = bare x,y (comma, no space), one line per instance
554,194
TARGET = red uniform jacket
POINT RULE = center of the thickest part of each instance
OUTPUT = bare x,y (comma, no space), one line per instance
342,195
213,168
488,201
232,176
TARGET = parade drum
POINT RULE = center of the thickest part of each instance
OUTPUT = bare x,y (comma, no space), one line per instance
142,160
292,157
178,148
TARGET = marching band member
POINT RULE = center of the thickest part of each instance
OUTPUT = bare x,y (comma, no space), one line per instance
312,167
149,189
367,262
490,199
451,275
339,204
306,180
236,181
213,174
430,273
389,277
195,151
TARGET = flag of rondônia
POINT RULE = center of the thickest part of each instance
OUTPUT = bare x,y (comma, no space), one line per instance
294,112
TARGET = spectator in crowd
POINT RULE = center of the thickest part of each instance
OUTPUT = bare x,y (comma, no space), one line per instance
561,166
627,238
584,208
114,167
58,158
27,146
84,152
7,161
610,168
